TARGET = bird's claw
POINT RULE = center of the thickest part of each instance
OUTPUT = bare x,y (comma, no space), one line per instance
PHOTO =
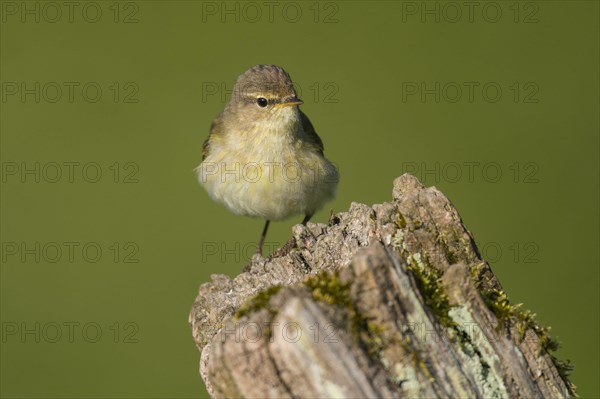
285,249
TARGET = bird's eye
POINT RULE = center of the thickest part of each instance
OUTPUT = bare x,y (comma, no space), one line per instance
262,102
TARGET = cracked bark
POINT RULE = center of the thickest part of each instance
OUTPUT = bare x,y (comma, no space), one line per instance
398,305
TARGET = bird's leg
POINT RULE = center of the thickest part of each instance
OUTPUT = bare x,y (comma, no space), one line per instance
262,238
306,219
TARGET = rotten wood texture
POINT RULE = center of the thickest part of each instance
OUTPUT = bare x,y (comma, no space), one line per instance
387,301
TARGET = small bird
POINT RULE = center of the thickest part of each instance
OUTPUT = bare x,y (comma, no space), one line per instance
262,157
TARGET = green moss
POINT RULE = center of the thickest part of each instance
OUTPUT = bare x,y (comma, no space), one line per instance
429,282
257,302
497,301
328,288
546,342
400,221
417,360
476,273
564,368
451,258
375,338
524,320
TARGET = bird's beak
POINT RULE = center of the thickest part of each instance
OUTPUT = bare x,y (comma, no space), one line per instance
288,102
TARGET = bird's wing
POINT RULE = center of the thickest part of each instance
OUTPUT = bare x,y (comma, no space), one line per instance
215,128
205,148
311,136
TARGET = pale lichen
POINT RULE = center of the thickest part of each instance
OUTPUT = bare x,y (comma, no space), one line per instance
508,314
479,354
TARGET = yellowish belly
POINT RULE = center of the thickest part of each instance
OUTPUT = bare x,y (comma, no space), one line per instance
273,187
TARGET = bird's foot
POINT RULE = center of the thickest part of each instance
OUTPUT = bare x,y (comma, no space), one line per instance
285,249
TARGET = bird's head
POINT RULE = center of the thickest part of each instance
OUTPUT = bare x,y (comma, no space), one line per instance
264,93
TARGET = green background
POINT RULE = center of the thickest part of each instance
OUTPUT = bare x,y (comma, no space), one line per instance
353,62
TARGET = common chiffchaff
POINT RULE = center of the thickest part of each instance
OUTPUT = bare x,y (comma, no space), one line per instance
263,157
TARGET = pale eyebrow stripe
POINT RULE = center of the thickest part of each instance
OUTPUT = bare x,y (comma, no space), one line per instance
255,95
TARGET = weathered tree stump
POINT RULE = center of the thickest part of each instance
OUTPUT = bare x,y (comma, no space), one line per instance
387,301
